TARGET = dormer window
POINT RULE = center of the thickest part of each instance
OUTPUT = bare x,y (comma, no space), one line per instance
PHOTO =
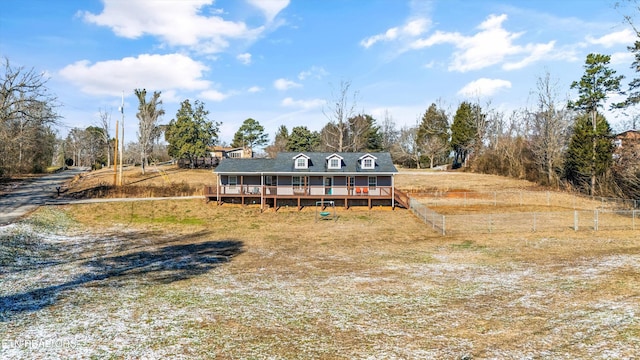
334,161
301,161
368,161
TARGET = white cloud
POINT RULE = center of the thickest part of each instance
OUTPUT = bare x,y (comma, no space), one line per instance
410,29
244,58
491,45
285,84
176,22
254,89
536,52
484,87
156,72
622,58
303,104
316,72
624,37
213,95
270,8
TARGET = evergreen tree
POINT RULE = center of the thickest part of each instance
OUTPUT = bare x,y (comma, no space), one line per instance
302,139
279,143
250,134
433,134
363,134
579,165
463,132
593,88
191,133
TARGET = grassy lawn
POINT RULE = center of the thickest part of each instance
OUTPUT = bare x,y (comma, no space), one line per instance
185,279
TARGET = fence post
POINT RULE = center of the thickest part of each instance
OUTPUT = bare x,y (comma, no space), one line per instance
520,198
575,220
595,220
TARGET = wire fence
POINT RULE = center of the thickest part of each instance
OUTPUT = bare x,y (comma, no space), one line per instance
518,222
524,197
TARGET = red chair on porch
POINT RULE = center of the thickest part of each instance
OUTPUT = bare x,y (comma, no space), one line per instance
358,190
365,191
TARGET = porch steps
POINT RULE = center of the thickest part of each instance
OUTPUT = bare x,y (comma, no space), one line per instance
401,198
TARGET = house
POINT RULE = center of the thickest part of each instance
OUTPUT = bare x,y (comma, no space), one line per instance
220,152
627,138
302,179
626,143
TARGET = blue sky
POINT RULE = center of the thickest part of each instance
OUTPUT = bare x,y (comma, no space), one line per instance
280,61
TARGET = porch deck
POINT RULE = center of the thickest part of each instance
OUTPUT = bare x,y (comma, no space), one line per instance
277,195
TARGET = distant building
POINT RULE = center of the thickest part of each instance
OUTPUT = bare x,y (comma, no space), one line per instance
627,139
231,153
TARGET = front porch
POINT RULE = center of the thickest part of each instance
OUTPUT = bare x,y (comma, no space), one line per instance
300,196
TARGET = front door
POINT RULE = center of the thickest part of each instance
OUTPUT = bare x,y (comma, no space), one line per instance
328,183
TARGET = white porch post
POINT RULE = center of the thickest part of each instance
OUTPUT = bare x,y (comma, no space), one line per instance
218,183
393,191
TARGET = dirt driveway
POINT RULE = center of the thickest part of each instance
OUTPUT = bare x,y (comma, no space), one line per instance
27,196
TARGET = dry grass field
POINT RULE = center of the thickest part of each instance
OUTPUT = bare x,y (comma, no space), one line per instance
160,181
186,279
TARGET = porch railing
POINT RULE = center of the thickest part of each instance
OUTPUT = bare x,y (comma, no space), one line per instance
295,190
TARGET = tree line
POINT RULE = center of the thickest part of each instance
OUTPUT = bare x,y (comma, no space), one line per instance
556,142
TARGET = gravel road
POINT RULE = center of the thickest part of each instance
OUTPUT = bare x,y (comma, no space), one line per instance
29,195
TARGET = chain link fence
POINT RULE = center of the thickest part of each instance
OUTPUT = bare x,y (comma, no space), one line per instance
605,215
524,197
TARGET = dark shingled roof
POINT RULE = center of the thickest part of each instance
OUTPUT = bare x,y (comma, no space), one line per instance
284,163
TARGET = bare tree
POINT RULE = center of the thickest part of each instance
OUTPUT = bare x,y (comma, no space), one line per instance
27,114
407,150
388,131
335,135
550,124
148,115
104,123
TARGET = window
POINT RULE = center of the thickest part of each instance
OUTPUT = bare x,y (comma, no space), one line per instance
233,181
268,180
297,182
352,181
367,161
301,163
334,161
373,181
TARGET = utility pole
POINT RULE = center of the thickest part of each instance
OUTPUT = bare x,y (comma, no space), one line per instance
121,142
115,157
